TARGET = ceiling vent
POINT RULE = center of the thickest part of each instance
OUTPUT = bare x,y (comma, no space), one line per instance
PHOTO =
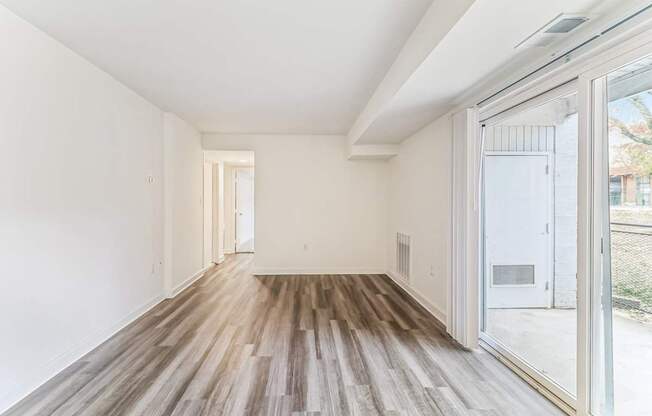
556,29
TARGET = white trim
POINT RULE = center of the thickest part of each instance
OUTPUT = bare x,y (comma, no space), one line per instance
190,280
288,271
62,361
498,352
584,244
425,303
531,98
599,297
208,207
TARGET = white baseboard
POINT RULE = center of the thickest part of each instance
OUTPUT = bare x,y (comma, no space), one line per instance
264,271
64,360
425,303
190,280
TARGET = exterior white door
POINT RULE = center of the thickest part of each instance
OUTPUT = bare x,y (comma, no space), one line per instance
517,225
244,210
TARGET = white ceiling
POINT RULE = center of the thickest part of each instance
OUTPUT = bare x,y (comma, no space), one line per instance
239,66
301,66
482,42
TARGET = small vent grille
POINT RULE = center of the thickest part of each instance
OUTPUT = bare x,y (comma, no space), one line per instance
403,255
512,275
556,29
565,24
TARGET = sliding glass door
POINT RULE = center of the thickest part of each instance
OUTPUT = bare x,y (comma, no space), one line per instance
530,164
566,233
622,290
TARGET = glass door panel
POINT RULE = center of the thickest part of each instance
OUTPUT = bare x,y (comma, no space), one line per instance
530,239
623,325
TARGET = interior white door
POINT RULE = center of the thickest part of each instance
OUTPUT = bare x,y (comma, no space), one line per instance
517,231
244,210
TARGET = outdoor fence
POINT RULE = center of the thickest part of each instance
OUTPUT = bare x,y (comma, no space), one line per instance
631,266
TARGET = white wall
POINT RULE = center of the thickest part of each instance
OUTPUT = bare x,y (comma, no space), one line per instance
315,211
184,214
419,205
80,224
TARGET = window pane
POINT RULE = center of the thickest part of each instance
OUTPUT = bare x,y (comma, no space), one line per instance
530,238
630,158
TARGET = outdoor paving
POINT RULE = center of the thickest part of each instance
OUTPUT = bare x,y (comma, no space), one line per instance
546,339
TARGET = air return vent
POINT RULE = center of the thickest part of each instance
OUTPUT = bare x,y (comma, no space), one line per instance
565,24
556,29
403,255
512,275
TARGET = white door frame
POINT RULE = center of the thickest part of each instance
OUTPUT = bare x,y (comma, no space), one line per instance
208,206
595,197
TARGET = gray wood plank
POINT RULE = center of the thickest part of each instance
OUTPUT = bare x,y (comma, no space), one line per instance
237,344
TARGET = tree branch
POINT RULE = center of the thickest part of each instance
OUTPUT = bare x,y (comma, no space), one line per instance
642,108
646,114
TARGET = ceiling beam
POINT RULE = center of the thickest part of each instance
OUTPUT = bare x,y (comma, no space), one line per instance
372,151
436,23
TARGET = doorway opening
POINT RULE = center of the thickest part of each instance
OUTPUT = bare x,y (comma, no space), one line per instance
229,214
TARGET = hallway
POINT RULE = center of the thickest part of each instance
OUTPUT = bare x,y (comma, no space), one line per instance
234,344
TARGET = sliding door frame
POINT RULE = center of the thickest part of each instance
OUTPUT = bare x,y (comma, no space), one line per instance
545,385
597,256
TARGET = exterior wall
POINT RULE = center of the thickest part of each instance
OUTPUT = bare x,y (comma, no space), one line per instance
565,249
629,189
526,138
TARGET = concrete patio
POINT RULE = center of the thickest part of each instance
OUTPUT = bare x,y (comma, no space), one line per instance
546,338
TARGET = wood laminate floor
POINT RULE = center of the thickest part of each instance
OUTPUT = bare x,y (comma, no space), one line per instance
236,344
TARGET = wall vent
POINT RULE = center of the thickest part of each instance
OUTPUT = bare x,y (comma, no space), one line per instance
403,255
511,275
556,29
